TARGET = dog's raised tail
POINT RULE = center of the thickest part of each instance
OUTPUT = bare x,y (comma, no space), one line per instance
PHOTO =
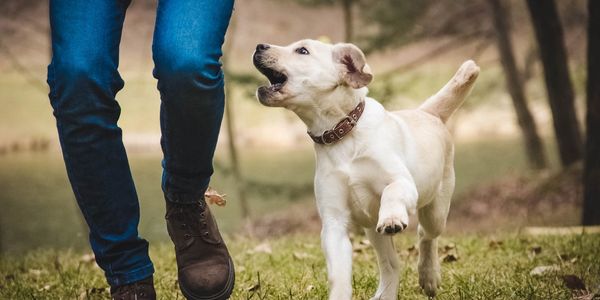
453,94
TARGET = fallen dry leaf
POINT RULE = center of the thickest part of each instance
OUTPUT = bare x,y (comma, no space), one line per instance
573,282
37,272
544,270
564,256
254,287
361,246
213,197
93,293
568,258
410,251
309,245
447,258
573,260
87,258
449,247
536,249
261,248
495,244
413,250
587,296
45,288
301,255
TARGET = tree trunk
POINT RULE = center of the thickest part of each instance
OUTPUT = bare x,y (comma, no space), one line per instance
549,35
230,126
235,164
348,20
591,173
533,143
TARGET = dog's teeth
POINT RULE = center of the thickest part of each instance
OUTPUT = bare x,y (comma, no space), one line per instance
276,86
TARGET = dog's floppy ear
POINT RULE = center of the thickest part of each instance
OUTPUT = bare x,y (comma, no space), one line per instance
353,65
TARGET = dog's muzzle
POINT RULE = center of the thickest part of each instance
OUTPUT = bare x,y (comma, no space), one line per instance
266,65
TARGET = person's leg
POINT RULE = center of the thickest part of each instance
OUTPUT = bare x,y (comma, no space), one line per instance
186,50
83,81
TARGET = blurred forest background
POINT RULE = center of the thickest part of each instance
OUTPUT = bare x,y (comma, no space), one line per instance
520,137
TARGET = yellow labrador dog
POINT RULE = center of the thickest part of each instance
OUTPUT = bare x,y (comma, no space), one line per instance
374,167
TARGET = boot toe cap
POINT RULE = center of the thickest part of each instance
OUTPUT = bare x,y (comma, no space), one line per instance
205,281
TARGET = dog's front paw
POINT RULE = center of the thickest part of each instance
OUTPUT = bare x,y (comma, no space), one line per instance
429,280
392,225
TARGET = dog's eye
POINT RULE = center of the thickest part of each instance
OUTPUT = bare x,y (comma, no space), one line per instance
302,51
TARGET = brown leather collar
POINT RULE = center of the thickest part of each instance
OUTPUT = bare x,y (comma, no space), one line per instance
342,128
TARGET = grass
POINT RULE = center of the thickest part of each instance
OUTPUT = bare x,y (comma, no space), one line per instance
294,268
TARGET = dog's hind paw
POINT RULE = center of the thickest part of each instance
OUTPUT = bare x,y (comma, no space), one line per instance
430,281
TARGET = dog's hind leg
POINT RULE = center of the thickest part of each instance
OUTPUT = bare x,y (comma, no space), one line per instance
389,266
432,222
429,266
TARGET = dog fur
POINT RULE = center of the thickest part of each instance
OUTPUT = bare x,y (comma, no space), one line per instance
391,165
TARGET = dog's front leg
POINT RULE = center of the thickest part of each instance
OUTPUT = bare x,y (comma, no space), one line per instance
338,253
331,193
389,266
397,199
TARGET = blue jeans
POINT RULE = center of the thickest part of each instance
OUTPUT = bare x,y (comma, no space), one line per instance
84,80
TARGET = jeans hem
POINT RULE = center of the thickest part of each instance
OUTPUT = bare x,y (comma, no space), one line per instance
131,277
184,198
187,198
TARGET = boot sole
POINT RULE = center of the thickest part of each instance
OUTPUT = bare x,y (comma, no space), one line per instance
222,295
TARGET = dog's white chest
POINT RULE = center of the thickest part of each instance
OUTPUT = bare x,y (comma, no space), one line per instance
366,179
364,204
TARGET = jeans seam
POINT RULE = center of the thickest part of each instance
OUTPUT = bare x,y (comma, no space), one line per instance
52,83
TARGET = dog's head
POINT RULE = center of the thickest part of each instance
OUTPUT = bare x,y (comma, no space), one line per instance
308,71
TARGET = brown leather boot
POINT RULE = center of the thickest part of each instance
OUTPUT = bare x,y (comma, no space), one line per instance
204,265
141,290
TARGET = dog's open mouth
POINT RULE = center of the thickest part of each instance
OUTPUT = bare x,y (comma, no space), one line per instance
276,78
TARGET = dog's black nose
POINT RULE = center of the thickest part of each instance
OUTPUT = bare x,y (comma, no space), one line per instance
262,47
